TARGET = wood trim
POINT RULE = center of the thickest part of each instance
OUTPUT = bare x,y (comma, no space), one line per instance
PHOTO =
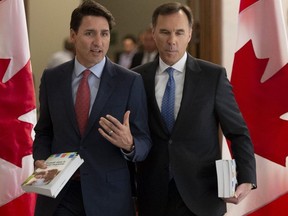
26,6
207,14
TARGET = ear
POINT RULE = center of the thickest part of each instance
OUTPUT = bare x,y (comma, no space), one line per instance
153,33
72,35
190,34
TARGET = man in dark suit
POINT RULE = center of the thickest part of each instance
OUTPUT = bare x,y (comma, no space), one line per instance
179,175
149,52
116,129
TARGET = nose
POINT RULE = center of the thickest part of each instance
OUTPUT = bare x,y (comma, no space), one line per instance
172,39
97,39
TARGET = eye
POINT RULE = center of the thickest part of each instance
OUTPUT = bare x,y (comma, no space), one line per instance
105,33
181,32
165,32
89,33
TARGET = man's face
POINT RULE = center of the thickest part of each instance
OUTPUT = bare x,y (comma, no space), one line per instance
172,34
92,40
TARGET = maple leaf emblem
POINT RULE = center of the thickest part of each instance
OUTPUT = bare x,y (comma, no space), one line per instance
16,99
262,104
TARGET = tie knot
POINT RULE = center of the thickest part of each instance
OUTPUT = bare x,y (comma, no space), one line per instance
86,73
170,71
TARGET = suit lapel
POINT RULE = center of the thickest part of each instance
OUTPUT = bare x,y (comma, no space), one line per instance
107,85
192,78
149,80
67,91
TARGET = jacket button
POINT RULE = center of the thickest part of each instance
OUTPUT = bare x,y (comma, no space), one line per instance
170,142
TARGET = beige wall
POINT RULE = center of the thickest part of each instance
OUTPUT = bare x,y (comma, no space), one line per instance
48,22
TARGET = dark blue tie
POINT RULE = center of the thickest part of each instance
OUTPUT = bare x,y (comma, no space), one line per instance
168,102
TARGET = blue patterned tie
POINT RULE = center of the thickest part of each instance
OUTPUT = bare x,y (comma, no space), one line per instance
167,107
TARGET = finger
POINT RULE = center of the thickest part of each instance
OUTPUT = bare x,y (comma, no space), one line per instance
114,121
107,126
233,200
105,135
242,195
104,123
126,118
40,164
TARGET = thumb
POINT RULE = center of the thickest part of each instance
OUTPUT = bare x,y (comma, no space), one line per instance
40,164
126,118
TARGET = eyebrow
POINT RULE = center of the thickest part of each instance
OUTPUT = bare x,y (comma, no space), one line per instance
93,30
105,30
166,30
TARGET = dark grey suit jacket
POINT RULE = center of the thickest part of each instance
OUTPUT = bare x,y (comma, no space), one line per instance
104,174
193,146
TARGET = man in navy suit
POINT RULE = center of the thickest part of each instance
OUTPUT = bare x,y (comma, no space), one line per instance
178,178
116,131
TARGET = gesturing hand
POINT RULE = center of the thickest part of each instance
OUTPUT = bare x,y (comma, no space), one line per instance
117,133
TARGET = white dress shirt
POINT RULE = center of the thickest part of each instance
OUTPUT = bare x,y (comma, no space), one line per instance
161,80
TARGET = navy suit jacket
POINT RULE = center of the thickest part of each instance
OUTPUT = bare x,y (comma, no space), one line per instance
191,149
104,174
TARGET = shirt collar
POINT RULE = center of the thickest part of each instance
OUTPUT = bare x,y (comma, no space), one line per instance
97,69
179,66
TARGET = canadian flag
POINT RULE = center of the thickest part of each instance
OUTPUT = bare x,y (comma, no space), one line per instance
17,110
260,82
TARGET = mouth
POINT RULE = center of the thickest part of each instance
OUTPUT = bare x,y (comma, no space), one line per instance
171,51
96,51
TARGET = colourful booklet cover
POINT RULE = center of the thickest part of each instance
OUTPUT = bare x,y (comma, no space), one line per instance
50,181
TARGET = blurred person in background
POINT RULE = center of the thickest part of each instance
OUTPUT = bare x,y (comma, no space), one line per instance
129,48
64,55
149,50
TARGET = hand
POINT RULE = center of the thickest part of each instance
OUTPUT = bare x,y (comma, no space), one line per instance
241,192
117,133
40,164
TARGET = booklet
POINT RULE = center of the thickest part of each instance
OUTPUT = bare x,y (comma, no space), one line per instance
50,181
226,178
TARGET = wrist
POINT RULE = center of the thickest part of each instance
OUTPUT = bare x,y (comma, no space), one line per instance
130,149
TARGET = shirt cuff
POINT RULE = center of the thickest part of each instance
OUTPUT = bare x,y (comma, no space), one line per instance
128,155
